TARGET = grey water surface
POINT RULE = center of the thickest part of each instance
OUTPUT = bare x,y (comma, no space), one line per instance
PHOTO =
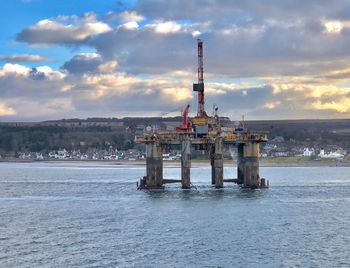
90,215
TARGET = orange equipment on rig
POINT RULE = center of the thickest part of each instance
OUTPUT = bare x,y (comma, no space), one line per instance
186,124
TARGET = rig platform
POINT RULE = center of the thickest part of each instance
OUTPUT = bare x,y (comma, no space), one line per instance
206,133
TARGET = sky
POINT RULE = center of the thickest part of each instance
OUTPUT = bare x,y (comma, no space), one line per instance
272,59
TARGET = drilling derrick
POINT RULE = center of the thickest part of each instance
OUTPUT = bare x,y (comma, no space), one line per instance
199,87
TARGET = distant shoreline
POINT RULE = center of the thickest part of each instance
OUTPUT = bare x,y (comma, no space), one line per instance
175,164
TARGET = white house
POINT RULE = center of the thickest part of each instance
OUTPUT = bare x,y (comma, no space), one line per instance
308,152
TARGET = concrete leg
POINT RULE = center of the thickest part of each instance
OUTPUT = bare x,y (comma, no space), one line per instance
218,166
250,164
212,151
186,165
240,164
154,165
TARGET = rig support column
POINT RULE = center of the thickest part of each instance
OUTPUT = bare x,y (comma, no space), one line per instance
218,163
248,165
154,165
186,164
240,164
212,152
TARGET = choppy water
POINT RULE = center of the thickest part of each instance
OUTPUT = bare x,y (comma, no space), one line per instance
69,215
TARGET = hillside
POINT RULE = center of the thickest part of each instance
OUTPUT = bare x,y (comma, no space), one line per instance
104,133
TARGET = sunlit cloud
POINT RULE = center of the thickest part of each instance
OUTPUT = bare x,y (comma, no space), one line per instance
342,106
333,27
6,110
271,105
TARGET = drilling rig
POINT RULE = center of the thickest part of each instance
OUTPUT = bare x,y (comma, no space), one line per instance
203,133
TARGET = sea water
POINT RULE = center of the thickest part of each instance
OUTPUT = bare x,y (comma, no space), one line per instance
91,215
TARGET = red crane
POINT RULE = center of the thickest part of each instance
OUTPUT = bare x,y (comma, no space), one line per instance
186,125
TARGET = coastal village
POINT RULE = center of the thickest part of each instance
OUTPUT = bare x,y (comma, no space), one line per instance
270,150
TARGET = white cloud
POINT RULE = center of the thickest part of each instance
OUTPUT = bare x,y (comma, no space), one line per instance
131,16
49,73
333,27
16,69
63,30
131,25
167,27
88,56
196,33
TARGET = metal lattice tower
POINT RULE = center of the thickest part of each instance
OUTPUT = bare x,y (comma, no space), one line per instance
200,85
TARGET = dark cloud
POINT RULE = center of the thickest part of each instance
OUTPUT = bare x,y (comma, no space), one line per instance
24,58
241,99
275,50
138,103
204,10
37,75
144,51
83,63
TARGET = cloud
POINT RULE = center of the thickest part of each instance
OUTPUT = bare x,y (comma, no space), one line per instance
21,81
301,97
14,69
5,110
247,10
131,25
84,63
63,30
103,90
271,105
236,46
245,50
167,27
284,59
145,51
100,90
24,58
131,16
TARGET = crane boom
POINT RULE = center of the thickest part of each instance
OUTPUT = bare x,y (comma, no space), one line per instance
186,124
